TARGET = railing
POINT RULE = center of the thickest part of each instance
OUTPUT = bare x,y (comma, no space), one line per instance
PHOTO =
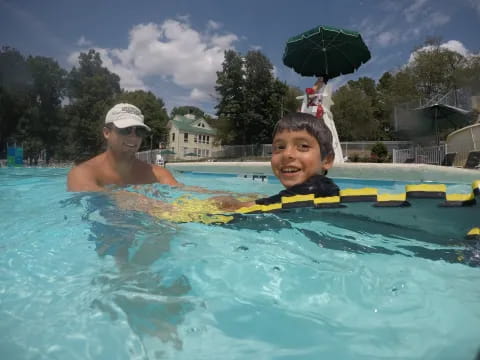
418,155
239,151
264,151
149,156
462,142
363,148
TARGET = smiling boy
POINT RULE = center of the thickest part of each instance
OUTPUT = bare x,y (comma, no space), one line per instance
302,153
124,131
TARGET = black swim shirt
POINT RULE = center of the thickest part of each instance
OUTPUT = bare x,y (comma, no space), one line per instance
319,185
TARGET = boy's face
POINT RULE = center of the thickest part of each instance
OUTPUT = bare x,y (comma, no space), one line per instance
296,157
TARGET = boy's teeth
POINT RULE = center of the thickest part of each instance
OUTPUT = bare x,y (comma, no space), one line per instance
289,170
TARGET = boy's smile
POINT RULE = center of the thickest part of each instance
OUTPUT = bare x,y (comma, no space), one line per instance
296,157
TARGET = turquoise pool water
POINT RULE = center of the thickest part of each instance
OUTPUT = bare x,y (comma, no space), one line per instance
81,279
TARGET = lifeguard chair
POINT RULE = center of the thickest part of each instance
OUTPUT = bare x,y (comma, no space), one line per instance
317,101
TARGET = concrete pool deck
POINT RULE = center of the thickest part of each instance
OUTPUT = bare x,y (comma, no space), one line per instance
381,171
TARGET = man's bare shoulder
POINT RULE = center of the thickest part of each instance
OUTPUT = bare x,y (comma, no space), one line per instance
83,177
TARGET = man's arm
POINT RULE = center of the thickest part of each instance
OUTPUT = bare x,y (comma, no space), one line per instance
164,176
81,179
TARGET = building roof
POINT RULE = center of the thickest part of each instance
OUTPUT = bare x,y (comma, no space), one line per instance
190,124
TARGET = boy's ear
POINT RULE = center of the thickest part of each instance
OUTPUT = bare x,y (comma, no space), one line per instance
327,163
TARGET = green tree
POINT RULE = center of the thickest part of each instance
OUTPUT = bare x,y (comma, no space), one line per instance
469,75
92,89
290,101
154,113
183,110
251,98
48,89
436,70
230,87
15,86
263,95
354,114
379,151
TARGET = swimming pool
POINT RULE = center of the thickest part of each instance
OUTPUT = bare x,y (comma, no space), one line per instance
81,279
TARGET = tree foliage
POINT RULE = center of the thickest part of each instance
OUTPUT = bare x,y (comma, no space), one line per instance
44,107
15,82
183,110
231,106
31,92
92,90
364,110
290,102
251,98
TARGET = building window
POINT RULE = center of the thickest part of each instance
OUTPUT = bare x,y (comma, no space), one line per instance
195,139
185,137
185,151
207,153
208,139
173,137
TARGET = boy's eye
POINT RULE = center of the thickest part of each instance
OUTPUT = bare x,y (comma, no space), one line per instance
278,147
304,147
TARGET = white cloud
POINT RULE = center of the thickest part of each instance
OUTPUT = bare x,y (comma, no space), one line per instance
453,45
83,41
213,25
387,38
419,18
199,95
476,5
256,47
437,19
172,51
129,79
414,10
457,46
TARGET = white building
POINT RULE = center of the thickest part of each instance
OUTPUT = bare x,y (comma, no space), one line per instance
191,138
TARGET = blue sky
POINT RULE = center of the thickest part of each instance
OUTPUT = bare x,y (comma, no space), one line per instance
174,48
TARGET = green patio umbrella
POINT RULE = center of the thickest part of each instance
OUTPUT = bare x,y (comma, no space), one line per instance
326,51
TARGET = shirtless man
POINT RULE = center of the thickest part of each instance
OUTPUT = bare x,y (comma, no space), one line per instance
124,131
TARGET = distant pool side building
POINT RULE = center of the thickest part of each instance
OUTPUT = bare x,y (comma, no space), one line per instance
191,138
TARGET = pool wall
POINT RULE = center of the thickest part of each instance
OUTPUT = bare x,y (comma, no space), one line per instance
400,172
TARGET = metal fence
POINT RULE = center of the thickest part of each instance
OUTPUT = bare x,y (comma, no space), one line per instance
239,151
150,156
350,149
418,155
363,148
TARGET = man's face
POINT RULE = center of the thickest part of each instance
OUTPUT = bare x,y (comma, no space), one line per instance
296,157
125,140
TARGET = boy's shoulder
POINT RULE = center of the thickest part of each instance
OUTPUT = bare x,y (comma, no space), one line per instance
318,185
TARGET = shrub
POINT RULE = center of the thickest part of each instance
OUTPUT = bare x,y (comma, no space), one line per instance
379,152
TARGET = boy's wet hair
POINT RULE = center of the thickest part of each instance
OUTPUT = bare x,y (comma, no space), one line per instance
297,121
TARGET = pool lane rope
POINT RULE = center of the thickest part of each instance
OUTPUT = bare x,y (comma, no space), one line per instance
205,211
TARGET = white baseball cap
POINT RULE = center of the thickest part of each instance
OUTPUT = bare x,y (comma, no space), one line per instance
125,115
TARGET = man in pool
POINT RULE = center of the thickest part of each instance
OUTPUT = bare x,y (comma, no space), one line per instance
124,131
302,153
